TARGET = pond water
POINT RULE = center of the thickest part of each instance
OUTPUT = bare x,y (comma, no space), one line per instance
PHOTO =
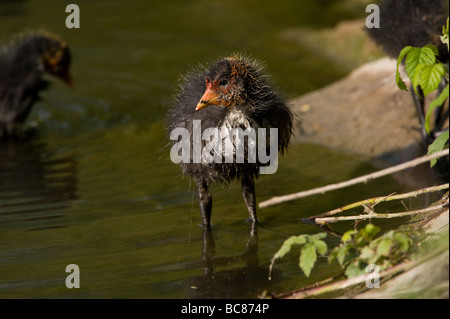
92,183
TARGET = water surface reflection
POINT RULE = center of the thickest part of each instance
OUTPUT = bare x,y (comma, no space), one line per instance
35,185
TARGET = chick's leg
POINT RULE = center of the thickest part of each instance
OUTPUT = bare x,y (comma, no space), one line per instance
205,202
248,192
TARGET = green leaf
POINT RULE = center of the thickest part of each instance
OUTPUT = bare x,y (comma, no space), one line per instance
430,77
287,245
354,269
444,37
369,231
384,247
425,55
366,253
308,258
318,236
321,246
403,241
420,56
412,61
348,235
433,104
398,79
333,255
372,230
389,234
429,53
415,78
342,252
438,145
421,67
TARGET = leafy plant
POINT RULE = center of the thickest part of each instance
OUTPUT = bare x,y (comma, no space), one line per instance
426,71
358,249
444,37
311,246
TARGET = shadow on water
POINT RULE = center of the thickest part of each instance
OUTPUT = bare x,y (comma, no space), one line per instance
34,187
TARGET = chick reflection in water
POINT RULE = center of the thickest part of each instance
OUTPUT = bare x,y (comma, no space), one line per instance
247,281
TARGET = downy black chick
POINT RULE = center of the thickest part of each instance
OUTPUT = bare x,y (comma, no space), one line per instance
232,93
21,69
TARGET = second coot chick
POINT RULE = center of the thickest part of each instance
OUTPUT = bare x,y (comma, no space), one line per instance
22,66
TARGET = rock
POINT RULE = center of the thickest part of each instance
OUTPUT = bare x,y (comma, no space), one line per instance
365,113
347,44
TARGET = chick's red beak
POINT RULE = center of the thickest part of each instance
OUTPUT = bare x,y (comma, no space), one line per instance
67,78
209,98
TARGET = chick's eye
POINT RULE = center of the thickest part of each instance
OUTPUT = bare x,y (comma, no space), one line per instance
223,82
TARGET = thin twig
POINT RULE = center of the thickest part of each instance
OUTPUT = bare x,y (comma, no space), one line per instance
376,200
327,220
357,180
318,284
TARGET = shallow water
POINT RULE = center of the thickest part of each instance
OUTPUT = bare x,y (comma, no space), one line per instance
92,183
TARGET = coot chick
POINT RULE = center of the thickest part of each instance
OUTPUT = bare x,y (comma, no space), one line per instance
414,23
231,94
22,66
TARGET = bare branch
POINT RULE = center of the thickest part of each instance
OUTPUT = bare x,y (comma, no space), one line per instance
357,180
327,220
376,200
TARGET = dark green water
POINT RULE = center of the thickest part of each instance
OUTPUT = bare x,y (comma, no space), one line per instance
94,185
